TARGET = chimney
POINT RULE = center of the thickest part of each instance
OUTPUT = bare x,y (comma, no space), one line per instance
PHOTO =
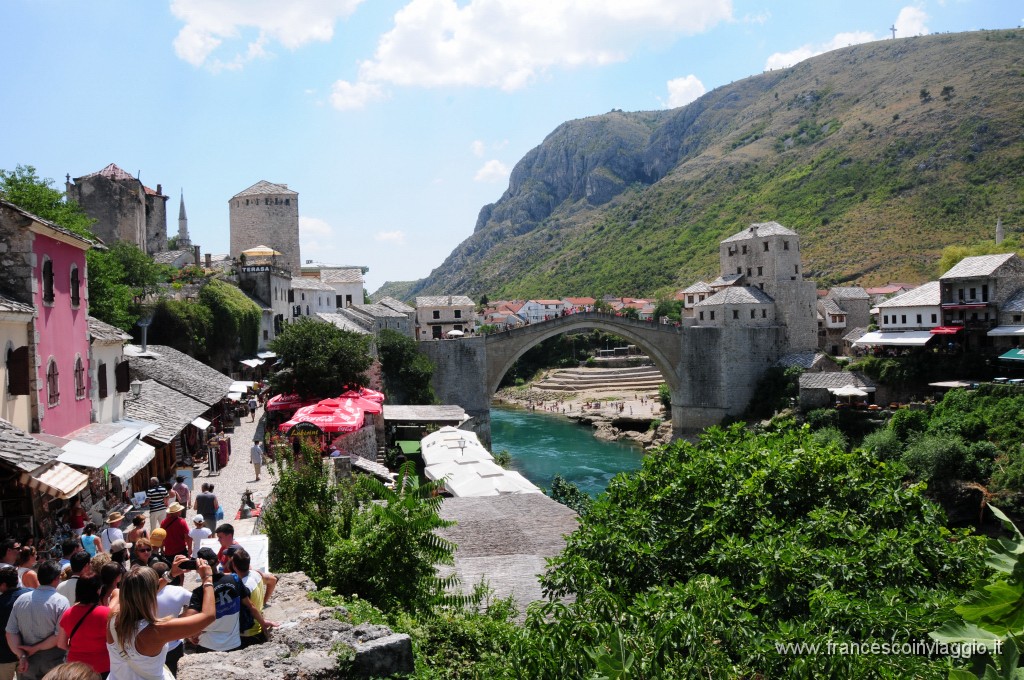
195,252
160,189
209,260
999,231
145,328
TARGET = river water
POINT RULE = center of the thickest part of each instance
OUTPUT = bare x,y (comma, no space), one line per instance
542,444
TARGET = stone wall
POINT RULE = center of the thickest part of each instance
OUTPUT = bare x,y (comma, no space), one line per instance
270,219
362,442
306,644
15,256
156,223
460,379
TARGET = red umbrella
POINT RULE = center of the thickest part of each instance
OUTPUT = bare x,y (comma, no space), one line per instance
327,418
365,393
287,402
364,405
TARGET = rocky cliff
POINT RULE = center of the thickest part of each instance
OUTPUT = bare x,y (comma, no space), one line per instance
877,154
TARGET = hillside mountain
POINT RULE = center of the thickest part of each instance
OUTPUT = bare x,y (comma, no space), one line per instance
879,155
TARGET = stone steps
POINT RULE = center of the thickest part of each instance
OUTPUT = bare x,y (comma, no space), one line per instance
639,379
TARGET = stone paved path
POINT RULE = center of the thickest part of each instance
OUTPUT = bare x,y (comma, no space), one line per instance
237,476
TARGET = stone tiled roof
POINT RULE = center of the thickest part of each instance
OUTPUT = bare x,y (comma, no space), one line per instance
13,306
925,295
823,381
848,293
340,321
726,280
804,360
380,311
21,450
163,406
760,230
341,275
51,225
220,262
106,334
737,295
179,371
169,256
306,283
830,306
443,301
264,187
699,287
979,265
855,335
1015,303
396,305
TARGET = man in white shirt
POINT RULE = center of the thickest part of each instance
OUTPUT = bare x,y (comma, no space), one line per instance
198,533
171,600
81,567
112,532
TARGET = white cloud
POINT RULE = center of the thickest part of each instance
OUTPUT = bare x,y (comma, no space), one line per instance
761,17
508,43
492,171
786,59
395,237
682,91
478,148
346,96
314,227
209,24
910,22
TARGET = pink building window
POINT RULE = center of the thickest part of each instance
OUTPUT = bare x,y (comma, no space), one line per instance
48,281
79,379
76,287
52,383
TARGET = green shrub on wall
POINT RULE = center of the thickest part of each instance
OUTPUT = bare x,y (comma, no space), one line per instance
238,318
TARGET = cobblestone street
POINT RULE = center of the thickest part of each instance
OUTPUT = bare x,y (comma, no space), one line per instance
235,477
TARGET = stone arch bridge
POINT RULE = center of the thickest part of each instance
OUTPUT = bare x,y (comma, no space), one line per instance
711,372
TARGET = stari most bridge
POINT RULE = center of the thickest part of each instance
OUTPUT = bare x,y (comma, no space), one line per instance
711,371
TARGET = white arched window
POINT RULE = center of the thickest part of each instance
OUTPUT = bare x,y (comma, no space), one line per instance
52,383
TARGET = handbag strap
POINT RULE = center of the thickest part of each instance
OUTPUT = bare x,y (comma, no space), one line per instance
80,622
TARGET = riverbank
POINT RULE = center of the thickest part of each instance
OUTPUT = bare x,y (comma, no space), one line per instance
614,414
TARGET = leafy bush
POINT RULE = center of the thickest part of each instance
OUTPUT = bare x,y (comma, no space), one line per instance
238,319
940,459
699,563
774,392
570,495
665,397
822,417
907,423
883,444
830,437
406,371
503,458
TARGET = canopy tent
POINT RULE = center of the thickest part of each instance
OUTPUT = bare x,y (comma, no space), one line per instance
1013,355
894,339
252,363
353,403
365,393
848,391
454,334
328,419
260,251
946,330
1006,330
130,461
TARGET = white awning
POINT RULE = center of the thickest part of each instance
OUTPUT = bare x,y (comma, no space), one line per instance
93,446
266,355
55,479
234,396
252,363
201,423
132,460
894,338
1007,330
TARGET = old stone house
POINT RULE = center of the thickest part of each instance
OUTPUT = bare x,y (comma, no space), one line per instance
124,208
437,315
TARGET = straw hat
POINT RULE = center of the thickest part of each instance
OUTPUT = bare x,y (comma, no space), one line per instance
115,517
175,507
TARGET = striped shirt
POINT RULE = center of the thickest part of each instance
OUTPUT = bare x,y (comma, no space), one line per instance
157,497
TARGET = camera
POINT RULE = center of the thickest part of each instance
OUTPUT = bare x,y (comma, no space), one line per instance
188,564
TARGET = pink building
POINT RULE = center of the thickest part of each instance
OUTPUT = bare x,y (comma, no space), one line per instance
47,270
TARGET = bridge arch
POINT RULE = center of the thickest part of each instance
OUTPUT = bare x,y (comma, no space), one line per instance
660,342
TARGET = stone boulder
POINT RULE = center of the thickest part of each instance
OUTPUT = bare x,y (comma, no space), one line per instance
308,645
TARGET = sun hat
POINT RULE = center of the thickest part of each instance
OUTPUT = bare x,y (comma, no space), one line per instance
114,517
156,539
175,507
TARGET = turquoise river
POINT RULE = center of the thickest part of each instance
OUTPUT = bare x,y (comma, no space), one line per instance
542,444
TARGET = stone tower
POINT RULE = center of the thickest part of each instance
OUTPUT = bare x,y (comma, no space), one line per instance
123,207
266,214
184,242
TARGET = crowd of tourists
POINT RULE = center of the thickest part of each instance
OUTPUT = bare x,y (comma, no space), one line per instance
116,607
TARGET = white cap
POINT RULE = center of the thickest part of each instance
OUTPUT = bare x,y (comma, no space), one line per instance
198,519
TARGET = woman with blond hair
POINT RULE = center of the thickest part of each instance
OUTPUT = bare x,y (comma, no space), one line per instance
136,639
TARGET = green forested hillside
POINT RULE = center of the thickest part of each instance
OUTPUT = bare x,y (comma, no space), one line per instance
879,155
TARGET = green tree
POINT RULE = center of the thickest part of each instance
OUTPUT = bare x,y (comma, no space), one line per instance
953,254
319,359
26,190
119,277
673,309
701,562
406,371
569,495
238,320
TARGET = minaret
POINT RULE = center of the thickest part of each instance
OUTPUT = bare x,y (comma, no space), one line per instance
999,231
183,240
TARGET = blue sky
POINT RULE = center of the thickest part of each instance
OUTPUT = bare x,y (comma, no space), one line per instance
395,120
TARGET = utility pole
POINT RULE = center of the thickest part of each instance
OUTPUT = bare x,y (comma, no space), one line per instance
893,29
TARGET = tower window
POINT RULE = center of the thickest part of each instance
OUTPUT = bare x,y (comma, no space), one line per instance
766,246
